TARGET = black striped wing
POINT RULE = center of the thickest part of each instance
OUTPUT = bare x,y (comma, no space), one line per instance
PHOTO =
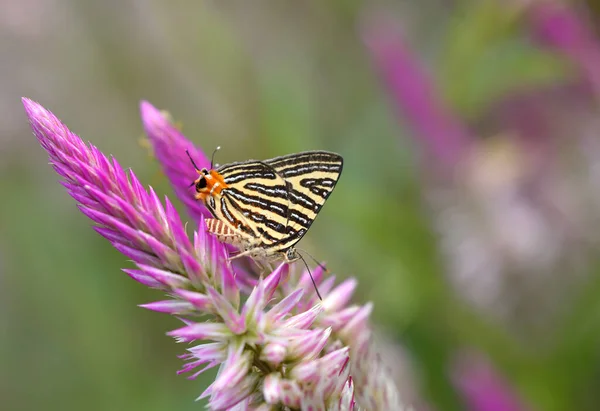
310,179
271,204
254,203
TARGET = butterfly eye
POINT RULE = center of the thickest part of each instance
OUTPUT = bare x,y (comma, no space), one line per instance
201,184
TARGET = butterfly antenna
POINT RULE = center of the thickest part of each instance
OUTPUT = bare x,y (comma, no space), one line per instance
314,259
192,160
311,277
212,158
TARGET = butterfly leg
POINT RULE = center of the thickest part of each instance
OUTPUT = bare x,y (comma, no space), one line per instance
247,253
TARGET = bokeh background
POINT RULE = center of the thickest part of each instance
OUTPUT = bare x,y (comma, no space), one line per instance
468,209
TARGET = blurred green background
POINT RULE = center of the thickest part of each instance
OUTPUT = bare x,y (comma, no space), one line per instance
483,262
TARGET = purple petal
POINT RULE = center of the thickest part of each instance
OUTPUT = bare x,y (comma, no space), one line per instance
482,387
272,281
201,301
233,395
177,229
439,132
112,235
312,370
290,394
229,285
272,388
254,304
309,345
356,329
143,278
286,305
317,275
210,351
131,234
347,401
168,257
167,278
232,319
139,191
338,320
273,353
170,306
169,146
136,255
305,319
194,269
202,331
559,26
338,298
236,366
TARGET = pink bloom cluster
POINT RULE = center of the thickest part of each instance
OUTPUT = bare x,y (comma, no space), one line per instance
275,345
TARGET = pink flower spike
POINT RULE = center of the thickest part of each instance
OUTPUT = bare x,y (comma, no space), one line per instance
229,286
273,279
305,319
273,353
201,331
358,323
317,274
332,362
142,278
559,25
439,132
169,148
234,381
170,307
201,301
234,369
291,395
286,305
201,243
309,345
227,399
272,389
482,387
327,284
231,318
347,401
339,319
137,255
167,278
255,303
209,351
249,344
340,296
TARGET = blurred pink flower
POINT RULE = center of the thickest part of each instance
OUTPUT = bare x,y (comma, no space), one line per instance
441,135
560,26
481,387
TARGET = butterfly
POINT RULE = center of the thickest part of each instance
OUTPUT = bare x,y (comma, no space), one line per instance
265,207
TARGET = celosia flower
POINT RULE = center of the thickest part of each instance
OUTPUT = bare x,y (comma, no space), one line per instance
277,347
559,26
441,135
481,387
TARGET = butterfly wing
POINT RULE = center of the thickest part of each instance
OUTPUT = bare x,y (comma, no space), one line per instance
254,201
310,179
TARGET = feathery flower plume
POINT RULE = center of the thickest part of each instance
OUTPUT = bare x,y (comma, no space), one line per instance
277,346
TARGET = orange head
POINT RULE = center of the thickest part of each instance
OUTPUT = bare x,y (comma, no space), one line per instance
209,183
